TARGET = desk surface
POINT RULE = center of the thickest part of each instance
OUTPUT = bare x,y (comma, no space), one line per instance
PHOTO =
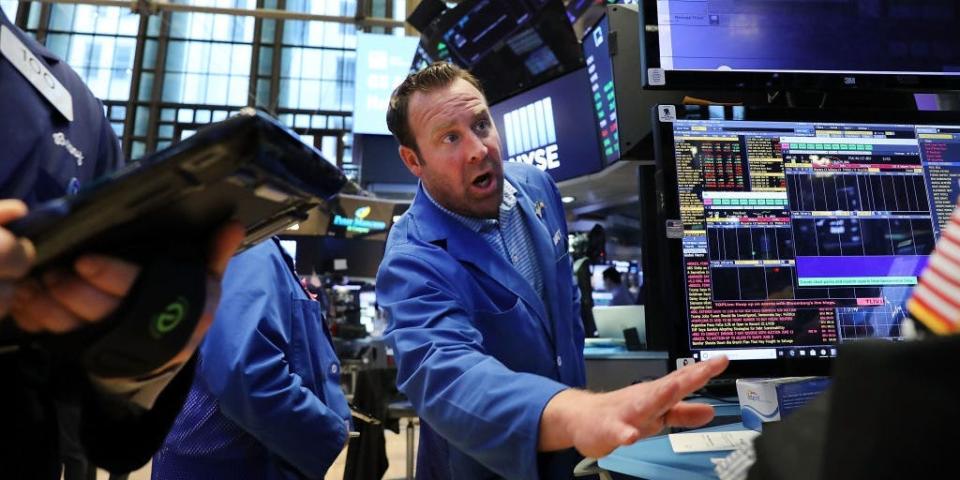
654,459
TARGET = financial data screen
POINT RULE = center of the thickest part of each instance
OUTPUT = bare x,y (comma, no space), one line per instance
596,53
916,36
798,236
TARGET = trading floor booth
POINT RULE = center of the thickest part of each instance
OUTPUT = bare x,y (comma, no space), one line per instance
791,233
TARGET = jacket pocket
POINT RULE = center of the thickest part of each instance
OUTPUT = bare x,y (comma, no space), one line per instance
305,338
515,337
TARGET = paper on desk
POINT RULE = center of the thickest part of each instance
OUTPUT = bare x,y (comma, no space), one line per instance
709,441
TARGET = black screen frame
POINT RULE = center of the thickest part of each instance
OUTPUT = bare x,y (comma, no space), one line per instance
775,81
664,273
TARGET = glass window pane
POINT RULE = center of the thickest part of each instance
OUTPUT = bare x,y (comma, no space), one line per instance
238,91
150,54
136,151
185,116
266,62
329,149
216,93
240,59
61,18
140,123
9,8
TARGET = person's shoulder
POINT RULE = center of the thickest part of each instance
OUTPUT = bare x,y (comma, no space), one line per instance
263,261
405,247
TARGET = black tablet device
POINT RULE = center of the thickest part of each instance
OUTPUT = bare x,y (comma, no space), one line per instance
249,168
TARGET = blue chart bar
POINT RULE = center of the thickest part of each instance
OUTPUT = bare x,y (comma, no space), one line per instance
853,267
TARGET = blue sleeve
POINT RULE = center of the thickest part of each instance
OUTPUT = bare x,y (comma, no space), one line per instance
246,364
475,402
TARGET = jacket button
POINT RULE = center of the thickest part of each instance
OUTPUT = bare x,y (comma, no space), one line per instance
559,361
334,369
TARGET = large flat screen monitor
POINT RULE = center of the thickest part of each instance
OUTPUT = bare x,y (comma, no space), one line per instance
789,232
761,43
509,45
545,127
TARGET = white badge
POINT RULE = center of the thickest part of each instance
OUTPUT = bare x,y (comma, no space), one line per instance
36,72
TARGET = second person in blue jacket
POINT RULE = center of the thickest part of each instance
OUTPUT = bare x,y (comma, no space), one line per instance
266,402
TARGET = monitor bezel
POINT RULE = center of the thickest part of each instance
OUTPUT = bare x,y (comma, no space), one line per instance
772,81
667,266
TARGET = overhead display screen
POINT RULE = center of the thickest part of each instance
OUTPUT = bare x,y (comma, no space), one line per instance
383,61
546,127
840,36
596,52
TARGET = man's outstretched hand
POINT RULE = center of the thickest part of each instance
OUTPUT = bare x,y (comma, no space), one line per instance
597,423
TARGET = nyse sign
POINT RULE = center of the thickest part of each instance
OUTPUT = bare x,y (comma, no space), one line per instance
543,158
531,135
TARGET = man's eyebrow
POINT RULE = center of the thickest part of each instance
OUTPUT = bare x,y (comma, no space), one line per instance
442,126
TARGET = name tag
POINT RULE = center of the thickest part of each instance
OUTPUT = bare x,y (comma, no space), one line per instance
35,72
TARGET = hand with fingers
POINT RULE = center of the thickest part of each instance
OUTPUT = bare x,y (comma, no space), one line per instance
597,423
16,254
63,300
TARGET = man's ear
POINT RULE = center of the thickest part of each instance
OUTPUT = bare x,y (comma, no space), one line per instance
411,160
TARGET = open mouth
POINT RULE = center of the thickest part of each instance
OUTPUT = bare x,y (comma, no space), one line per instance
483,181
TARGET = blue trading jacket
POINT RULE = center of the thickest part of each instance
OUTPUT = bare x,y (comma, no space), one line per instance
266,402
35,139
478,353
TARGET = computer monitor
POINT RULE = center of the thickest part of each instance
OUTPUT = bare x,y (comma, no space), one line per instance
613,320
367,300
630,274
788,232
611,50
813,44
509,45
545,127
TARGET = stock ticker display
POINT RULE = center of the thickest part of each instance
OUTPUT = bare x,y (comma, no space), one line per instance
798,236
596,52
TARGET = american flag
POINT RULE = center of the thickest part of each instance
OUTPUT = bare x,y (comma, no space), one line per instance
936,300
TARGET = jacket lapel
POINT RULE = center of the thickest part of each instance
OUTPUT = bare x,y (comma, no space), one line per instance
465,245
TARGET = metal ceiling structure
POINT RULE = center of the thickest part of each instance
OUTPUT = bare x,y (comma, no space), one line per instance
152,7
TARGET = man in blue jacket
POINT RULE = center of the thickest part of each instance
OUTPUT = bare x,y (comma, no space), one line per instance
483,310
54,140
266,402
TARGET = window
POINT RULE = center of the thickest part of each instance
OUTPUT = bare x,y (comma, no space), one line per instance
98,42
196,68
